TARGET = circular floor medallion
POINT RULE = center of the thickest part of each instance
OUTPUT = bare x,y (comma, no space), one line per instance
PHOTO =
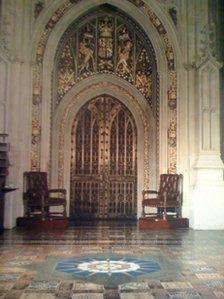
108,267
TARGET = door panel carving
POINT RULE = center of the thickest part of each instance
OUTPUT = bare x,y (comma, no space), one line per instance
104,161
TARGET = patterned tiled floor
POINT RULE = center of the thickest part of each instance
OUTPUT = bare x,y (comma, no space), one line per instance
154,264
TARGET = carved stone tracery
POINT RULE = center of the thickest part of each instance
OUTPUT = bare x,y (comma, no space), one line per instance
105,42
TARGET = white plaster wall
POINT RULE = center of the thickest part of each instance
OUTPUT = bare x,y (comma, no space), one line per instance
3,94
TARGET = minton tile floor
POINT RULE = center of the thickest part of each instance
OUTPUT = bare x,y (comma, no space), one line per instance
111,260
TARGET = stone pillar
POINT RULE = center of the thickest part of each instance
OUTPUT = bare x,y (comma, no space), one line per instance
17,29
208,193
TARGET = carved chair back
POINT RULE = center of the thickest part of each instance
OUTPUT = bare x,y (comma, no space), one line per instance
38,198
169,197
171,184
36,181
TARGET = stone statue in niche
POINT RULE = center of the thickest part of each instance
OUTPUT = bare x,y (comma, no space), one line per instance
105,44
124,55
38,8
173,13
86,52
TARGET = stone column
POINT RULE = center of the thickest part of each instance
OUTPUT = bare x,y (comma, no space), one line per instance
18,106
208,193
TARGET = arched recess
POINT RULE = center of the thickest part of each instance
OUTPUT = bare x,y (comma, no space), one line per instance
78,96
162,36
47,52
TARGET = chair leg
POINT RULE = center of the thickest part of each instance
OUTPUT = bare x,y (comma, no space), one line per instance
28,212
42,213
179,212
143,211
160,212
64,211
48,212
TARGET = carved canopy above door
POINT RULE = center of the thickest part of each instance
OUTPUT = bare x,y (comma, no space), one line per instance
104,161
106,41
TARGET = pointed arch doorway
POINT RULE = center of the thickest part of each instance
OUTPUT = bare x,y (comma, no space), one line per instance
103,180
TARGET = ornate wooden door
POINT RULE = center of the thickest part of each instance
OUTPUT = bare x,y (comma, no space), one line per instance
103,161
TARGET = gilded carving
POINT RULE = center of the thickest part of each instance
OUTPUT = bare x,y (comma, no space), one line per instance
106,44
172,90
144,75
155,20
172,131
86,51
169,53
138,3
66,71
172,134
37,85
124,56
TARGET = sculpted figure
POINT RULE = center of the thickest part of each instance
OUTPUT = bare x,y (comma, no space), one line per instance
123,57
106,28
87,53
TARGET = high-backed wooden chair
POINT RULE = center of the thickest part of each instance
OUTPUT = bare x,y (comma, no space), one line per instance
168,197
38,198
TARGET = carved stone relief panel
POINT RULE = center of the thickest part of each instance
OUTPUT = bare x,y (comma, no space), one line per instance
106,41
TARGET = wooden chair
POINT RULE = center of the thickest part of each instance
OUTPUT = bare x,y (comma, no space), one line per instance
38,199
168,198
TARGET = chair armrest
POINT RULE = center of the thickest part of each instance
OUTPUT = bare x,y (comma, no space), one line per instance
57,190
172,196
149,192
31,196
